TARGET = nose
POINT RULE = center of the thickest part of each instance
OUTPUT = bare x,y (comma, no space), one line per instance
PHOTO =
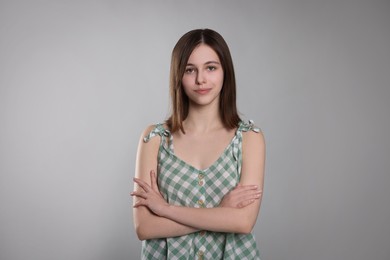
200,78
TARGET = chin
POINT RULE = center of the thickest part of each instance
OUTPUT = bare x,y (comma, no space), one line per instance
204,101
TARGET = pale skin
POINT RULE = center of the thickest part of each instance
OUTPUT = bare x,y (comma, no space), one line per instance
204,140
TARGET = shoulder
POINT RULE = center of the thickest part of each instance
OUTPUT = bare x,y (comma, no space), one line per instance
148,146
147,152
253,155
148,130
252,138
146,138
155,130
253,135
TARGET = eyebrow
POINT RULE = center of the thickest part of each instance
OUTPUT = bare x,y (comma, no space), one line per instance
207,63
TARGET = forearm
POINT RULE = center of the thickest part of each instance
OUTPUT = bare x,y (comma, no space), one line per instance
151,226
219,219
178,221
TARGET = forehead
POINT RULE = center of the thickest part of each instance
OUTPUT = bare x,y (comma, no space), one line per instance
202,54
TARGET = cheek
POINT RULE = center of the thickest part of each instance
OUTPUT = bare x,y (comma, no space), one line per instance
185,90
187,82
219,79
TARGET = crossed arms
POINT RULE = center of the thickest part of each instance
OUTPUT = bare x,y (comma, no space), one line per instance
237,212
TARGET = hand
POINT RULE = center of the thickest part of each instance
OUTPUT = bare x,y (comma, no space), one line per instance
150,195
241,196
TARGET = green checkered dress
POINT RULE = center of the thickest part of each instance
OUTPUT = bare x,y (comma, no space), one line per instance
183,185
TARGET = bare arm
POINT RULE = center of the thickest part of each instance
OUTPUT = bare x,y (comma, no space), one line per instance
145,221
220,219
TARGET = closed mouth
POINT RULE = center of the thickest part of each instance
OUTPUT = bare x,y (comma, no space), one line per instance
203,91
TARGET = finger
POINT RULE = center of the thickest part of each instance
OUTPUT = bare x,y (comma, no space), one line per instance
139,194
249,196
248,190
139,203
245,190
250,193
245,203
142,184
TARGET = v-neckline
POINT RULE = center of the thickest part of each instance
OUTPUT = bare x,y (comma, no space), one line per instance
172,151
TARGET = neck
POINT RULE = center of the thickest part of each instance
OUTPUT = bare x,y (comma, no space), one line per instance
203,119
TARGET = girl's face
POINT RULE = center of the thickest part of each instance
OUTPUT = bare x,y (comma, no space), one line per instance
203,77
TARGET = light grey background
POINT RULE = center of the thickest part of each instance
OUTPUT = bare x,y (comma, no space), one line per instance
80,80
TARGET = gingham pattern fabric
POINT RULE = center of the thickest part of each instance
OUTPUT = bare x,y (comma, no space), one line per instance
183,185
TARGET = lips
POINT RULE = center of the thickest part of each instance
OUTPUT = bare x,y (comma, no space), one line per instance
203,91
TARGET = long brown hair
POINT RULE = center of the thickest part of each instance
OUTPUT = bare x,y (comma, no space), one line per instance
179,100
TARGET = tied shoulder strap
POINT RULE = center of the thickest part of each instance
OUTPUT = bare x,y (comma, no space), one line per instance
250,126
165,134
157,130
237,149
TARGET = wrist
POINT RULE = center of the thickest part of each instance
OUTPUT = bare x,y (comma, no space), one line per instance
166,209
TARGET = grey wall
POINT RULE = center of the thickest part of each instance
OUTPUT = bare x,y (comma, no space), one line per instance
79,80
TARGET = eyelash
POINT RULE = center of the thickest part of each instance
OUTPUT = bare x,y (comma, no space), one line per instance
191,70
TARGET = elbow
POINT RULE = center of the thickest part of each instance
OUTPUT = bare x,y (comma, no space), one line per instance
245,228
140,236
143,227
141,233
245,225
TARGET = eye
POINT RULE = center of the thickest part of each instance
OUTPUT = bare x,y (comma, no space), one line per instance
211,68
189,70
